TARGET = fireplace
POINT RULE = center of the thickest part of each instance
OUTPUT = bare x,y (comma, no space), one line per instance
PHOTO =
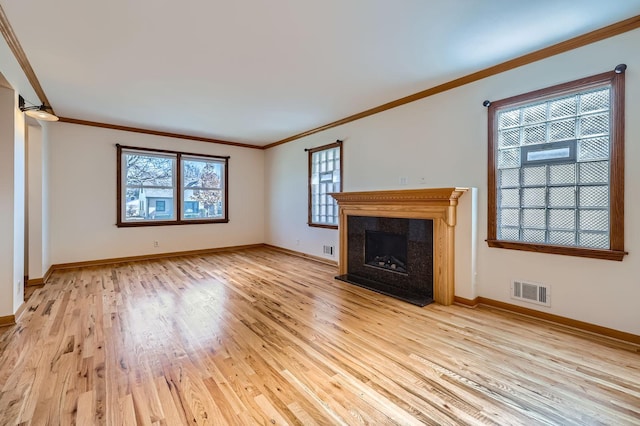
365,217
393,256
385,250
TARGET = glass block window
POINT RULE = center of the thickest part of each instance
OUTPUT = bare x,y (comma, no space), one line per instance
555,169
325,177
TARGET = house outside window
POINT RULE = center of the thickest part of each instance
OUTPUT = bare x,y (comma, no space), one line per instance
556,169
157,187
325,177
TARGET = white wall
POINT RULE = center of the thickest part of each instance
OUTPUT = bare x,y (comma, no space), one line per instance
12,183
443,139
35,180
82,162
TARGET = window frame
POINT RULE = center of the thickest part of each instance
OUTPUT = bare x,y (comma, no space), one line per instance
311,151
616,166
177,187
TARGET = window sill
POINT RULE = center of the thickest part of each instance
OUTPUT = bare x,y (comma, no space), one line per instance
617,255
318,225
168,223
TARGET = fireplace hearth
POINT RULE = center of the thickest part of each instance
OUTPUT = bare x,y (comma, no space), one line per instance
393,256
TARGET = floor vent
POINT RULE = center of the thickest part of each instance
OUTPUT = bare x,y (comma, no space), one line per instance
531,292
328,250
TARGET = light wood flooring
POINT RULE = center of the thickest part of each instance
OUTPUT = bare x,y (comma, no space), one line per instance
262,337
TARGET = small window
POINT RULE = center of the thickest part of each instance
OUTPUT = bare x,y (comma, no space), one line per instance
325,177
556,169
148,182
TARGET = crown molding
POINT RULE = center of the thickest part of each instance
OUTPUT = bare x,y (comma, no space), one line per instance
21,57
565,46
155,132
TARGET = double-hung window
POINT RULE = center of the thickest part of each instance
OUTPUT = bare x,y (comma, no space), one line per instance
158,187
556,169
325,176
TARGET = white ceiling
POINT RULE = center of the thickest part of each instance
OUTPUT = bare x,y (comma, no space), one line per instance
257,71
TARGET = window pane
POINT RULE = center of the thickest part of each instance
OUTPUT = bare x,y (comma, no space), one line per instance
149,204
562,238
202,204
508,158
534,113
563,107
562,196
594,172
593,149
509,138
594,220
509,178
562,130
509,118
534,176
562,174
594,125
594,101
148,186
534,218
562,219
149,170
202,173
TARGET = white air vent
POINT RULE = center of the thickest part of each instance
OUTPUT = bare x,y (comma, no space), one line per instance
328,250
531,292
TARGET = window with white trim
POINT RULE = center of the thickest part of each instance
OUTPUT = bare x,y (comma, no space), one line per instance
556,169
325,176
158,187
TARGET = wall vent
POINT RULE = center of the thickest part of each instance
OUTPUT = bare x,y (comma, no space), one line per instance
327,250
531,292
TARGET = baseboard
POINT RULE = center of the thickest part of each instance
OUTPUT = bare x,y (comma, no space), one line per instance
7,321
35,282
304,255
580,325
155,256
40,281
469,303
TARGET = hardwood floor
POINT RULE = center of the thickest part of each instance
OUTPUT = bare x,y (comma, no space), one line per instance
262,337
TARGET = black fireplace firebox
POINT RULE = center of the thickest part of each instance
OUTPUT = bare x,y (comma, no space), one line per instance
393,256
386,250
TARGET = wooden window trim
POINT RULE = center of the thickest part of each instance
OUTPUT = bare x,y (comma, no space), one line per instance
336,144
178,188
617,160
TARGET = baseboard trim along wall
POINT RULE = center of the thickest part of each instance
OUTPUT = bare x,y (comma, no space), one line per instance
40,281
7,321
580,325
303,255
154,256
470,303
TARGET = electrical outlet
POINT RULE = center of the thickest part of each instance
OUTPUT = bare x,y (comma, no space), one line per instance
404,180
297,242
156,244
423,181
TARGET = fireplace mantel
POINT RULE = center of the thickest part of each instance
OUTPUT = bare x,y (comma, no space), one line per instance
437,204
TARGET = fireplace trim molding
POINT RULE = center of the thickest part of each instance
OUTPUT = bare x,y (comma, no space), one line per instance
437,204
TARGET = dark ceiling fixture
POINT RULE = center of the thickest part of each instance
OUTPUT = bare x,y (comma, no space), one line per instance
42,112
